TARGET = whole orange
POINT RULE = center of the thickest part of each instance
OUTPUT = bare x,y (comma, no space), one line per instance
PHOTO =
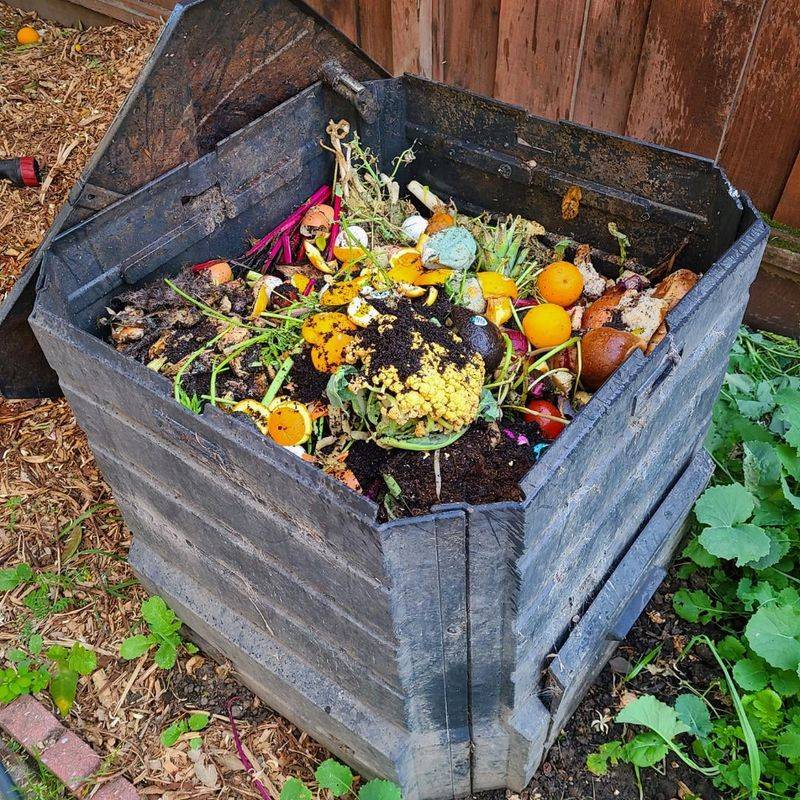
560,283
28,35
547,325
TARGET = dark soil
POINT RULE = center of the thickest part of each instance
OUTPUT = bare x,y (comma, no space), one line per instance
483,466
210,687
306,382
392,344
563,774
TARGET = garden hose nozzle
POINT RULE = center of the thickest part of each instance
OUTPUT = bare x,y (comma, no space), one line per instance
20,171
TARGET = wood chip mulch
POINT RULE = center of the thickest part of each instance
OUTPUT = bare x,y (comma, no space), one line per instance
56,513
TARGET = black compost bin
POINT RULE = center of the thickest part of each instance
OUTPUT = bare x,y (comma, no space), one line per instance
444,651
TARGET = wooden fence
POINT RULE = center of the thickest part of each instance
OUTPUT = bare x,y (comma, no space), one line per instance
716,77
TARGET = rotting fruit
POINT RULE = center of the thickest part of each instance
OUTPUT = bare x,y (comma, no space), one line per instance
547,325
560,283
544,414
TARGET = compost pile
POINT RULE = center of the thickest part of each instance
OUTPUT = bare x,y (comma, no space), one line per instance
416,354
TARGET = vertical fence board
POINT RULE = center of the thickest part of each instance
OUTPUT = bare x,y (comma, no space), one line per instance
788,210
537,54
375,30
341,13
411,46
764,133
470,43
614,36
692,58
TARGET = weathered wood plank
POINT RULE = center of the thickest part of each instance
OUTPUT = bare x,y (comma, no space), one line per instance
375,30
470,44
788,209
692,57
763,137
411,37
615,33
538,53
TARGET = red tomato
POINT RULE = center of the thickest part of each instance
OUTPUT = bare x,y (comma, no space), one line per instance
550,428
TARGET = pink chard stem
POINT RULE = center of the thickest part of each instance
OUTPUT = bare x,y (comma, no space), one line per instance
320,196
286,245
246,763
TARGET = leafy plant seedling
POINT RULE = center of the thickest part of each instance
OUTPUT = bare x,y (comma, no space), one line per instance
163,627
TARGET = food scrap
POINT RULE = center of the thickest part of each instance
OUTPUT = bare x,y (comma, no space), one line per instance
417,354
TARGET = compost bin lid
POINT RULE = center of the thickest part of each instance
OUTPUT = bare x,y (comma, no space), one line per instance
217,66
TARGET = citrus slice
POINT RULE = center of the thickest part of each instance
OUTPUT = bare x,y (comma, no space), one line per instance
258,412
405,265
329,354
498,310
289,423
316,259
434,277
494,284
340,294
318,327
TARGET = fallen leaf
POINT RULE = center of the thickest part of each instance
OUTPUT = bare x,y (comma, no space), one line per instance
206,774
571,203
627,698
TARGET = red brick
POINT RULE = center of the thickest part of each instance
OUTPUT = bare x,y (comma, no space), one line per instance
118,789
71,760
29,722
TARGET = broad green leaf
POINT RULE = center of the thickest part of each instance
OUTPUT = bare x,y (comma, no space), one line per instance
794,499
646,749
788,744
693,713
596,764
740,383
135,646
82,660
330,774
378,789
722,506
761,465
790,459
785,683
743,542
608,753
294,789
751,674
773,633
690,604
9,579
59,654
196,743
652,713
12,577
173,732
159,616
697,553
198,721
35,643
779,546
166,654
62,689
730,648
766,707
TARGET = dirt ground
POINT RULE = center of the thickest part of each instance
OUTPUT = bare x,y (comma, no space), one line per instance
57,514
